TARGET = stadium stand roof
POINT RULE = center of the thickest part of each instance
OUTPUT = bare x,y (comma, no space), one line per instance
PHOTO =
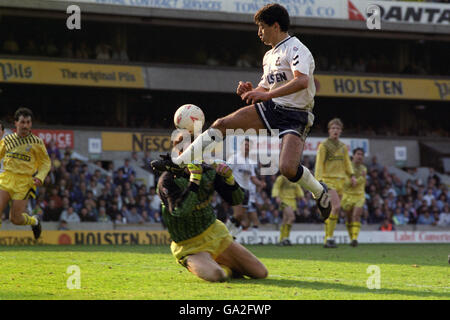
149,13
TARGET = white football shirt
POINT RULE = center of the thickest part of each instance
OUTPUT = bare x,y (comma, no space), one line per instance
242,170
279,64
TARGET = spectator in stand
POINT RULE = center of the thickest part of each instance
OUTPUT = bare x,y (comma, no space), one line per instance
426,218
146,217
359,65
119,219
119,53
386,226
102,216
10,46
133,216
112,211
63,225
365,215
30,48
134,159
120,178
374,165
86,216
444,217
51,213
127,169
57,200
146,162
157,217
400,218
50,49
53,149
67,51
428,197
155,201
377,217
85,173
276,217
265,217
70,215
103,51
95,187
83,51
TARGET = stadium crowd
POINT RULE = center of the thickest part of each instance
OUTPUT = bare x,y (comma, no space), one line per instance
352,57
73,194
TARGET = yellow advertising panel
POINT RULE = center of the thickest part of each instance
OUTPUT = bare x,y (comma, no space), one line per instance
87,237
382,87
127,141
70,73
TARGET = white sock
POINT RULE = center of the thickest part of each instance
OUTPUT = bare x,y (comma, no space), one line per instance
310,183
194,152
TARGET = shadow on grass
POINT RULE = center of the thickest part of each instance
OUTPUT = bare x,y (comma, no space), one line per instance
402,254
375,294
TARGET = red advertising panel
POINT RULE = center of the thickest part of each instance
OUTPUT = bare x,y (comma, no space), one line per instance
62,138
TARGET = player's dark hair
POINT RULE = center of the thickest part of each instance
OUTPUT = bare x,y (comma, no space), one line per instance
358,149
271,13
2,126
25,112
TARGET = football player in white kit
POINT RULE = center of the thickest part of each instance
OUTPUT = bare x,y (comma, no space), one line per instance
244,172
283,101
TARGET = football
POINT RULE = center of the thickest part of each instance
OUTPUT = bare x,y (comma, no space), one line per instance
186,115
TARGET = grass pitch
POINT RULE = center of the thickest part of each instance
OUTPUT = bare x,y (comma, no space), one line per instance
297,272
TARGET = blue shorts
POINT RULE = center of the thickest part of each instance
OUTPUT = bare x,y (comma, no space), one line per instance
285,119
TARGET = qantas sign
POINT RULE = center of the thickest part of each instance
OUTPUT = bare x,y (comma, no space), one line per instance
409,12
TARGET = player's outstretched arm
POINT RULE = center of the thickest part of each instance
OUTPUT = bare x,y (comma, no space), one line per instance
226,186
44,164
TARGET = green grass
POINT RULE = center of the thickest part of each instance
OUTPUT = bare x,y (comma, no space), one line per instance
297,272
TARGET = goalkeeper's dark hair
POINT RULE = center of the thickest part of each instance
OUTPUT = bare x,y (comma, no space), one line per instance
271,13
2,126
358,149
25,112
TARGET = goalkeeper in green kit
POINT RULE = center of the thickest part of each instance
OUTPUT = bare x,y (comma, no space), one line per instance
200,242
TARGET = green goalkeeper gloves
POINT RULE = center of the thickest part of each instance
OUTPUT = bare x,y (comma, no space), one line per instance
195,171
225,171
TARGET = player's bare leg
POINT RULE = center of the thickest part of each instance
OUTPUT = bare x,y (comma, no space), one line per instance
244,118
242,261
18,207
4,199
290,167
330,223
203,266
19,216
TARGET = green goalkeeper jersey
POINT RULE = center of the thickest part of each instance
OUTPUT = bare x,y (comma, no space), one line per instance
186,208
